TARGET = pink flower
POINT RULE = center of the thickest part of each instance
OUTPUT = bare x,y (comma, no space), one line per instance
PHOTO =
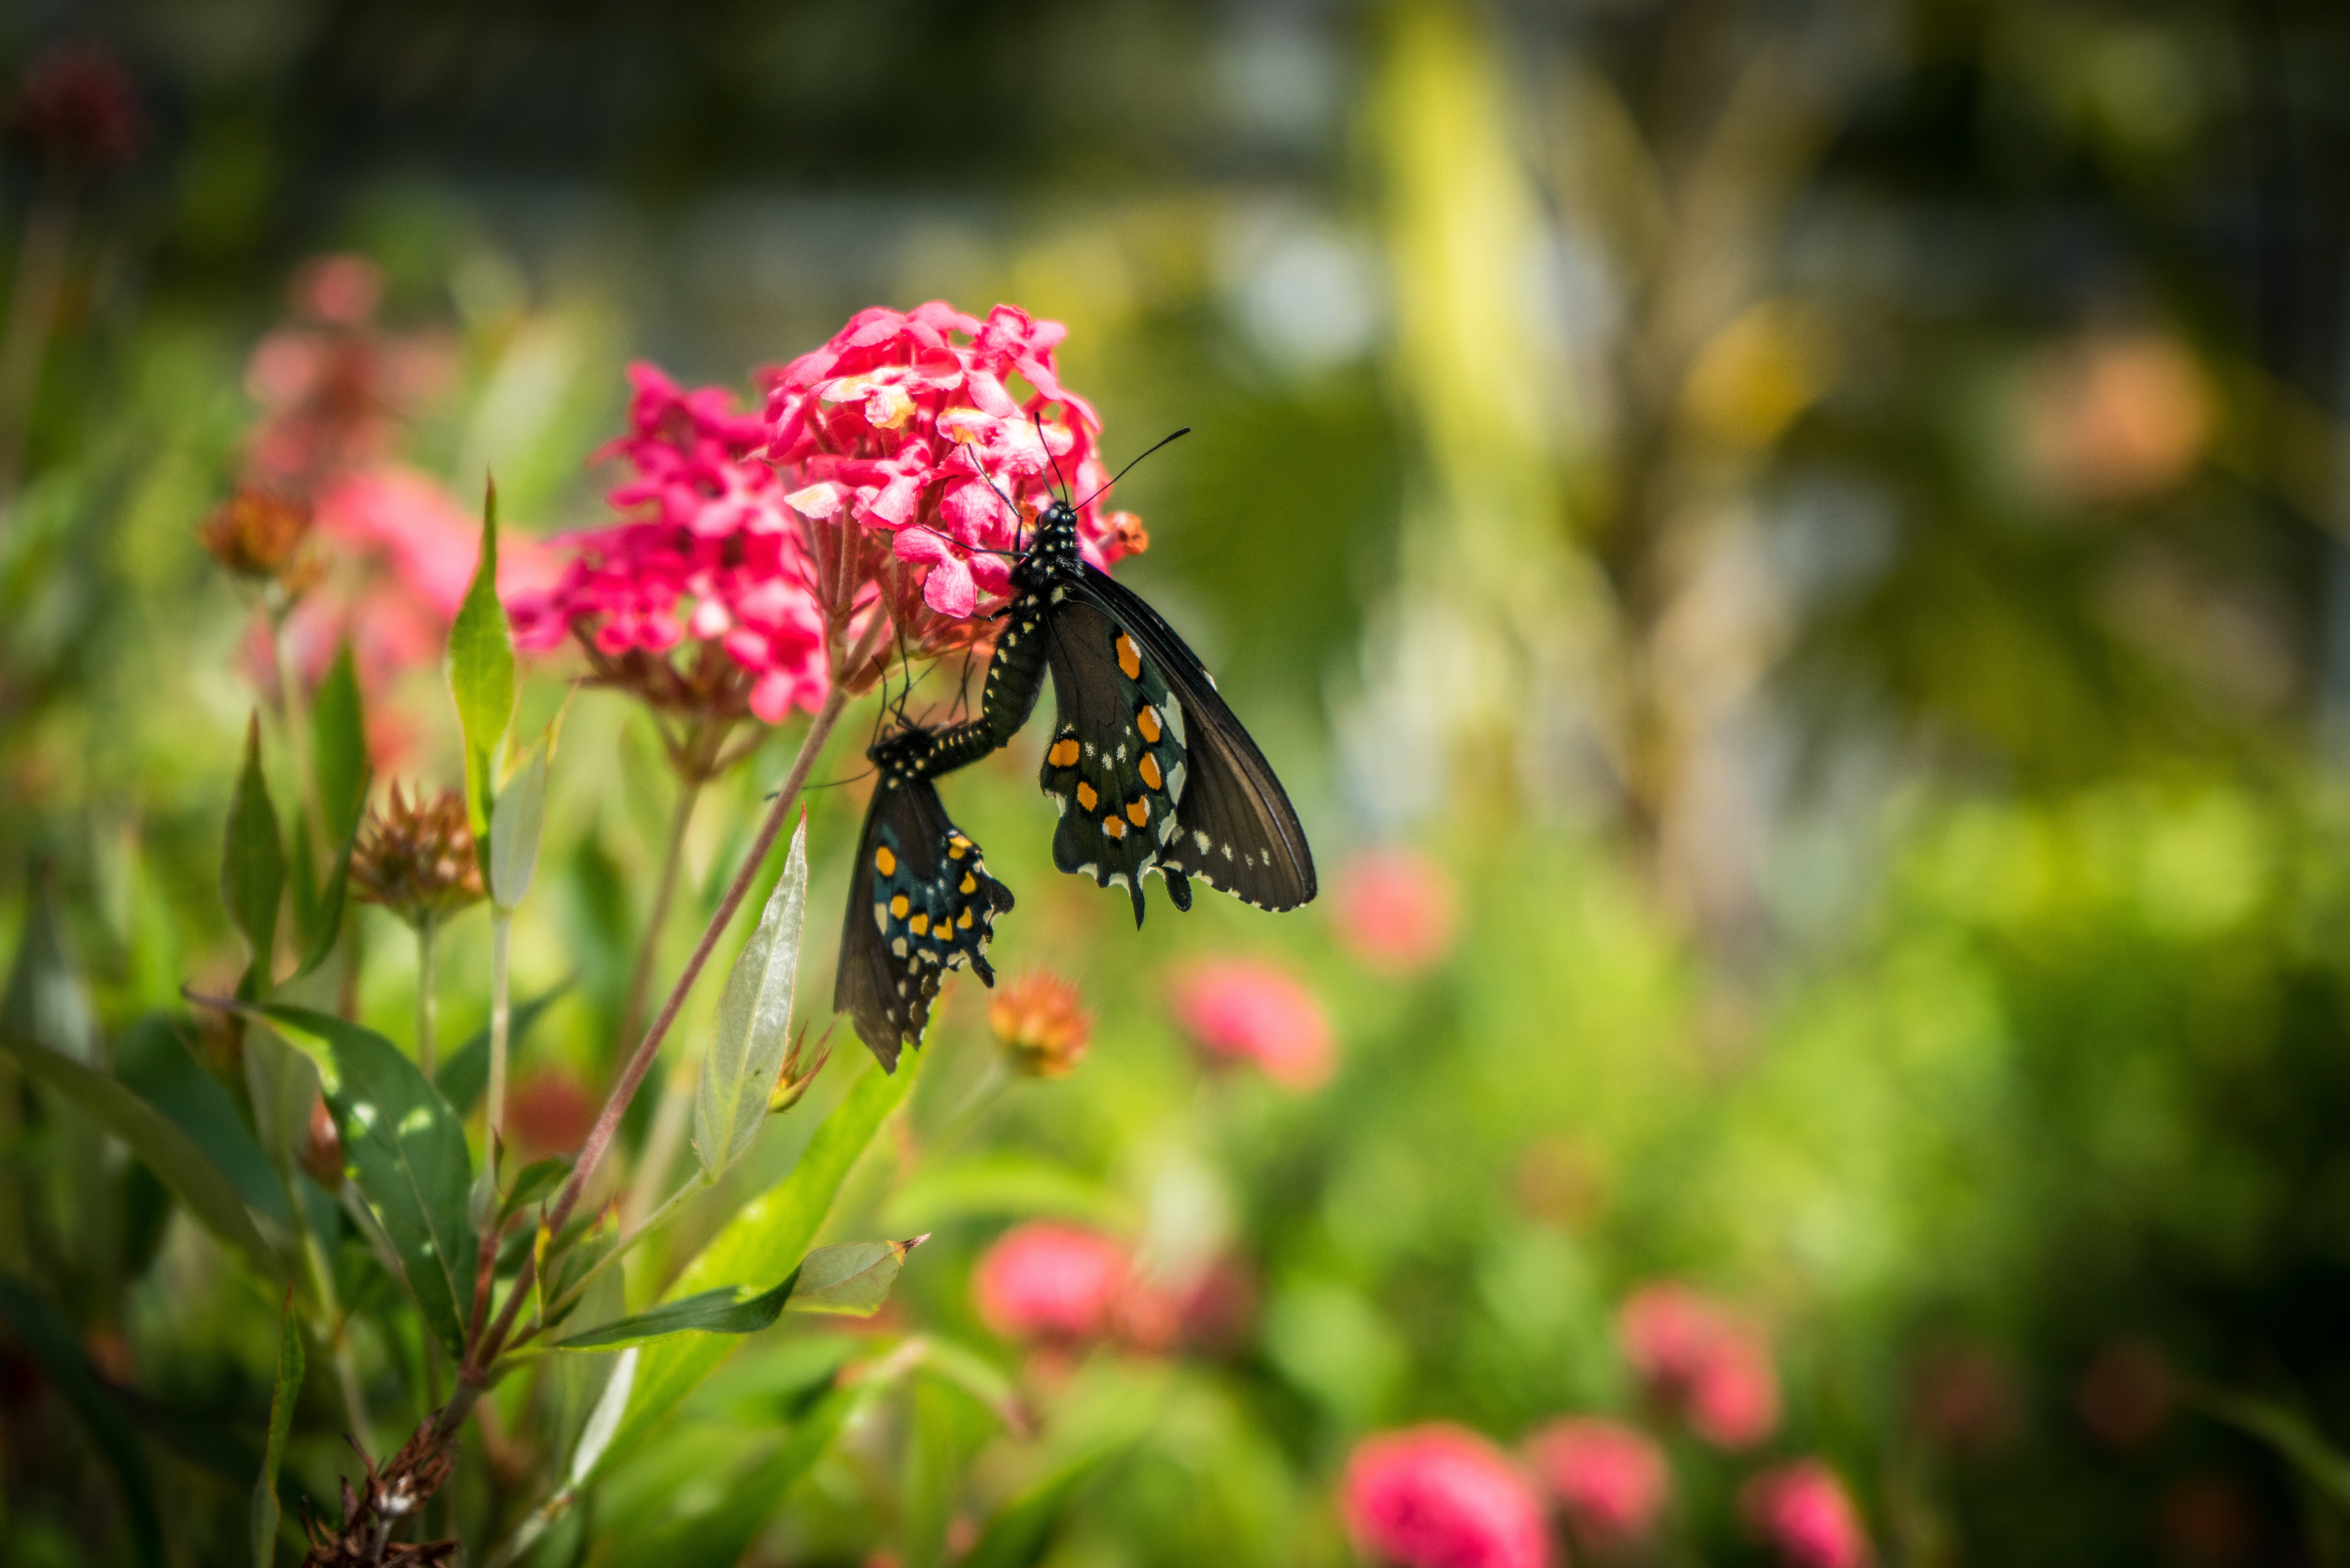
1439,1496
713,565
1045,1281
1608,1479
1804,1511
1244,1009
1395,909
896,426
1702,1358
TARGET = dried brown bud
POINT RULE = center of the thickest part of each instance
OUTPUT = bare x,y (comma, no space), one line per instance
322,1148
416,859
78,111
1044,1032
260,535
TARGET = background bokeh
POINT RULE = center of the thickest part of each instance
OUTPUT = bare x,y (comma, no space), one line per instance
1816,530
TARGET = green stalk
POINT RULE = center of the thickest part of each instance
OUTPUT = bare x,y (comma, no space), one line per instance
428,1009
501,927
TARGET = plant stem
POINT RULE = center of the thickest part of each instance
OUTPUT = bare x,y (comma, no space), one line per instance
298,735
428,1008
500,927
632,1012
651,1222
632,1076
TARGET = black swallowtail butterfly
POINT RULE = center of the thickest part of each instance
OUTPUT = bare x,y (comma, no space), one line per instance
920,901
1150,770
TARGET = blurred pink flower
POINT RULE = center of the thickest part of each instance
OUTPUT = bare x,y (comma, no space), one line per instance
1247,1008
1395,910
1440,1497
1805,1512
1703,1359
1608,1479
1047,1281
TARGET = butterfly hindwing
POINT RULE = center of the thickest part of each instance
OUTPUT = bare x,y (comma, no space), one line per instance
921,903
1115,765
1234,828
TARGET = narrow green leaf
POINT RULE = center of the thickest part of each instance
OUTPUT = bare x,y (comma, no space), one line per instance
210,1196
852,1278
464,1077
532,1182
45,999
1020,1535
513,828
252,865
755,1023
762,1238
325,913
406,1150
281,1423
482,673
2289,1433
725,1533
730,1309
152,1060
927,1479
50,1342
338,748
604,1419
283,1083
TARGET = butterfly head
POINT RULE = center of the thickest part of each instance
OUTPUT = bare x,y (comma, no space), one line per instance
1052,552
900,753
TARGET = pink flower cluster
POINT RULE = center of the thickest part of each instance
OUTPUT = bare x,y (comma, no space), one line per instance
875,480
1240,1009
1439,1496
1067,1286
1609,1480
1804,1511
710,553
899,427
1703,1359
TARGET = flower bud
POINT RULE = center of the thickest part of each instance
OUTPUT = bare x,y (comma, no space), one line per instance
416,858
1044,1032
322,1148
260,535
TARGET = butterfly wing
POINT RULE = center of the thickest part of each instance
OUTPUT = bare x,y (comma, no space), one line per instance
921,903
1115,766
1236,830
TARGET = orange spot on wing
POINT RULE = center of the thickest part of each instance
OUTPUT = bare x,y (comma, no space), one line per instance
1138,813
969,884
1115,826
899,905
919,924
1063,754
963,920
1148,721
885,862
1150,774
1085,795
1129,658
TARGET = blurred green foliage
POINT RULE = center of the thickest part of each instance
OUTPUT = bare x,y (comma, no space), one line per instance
1823,518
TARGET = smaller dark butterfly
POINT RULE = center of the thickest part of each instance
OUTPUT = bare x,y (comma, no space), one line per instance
920,901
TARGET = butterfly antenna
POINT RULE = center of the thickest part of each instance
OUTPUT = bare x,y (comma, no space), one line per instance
1122,472
1038,420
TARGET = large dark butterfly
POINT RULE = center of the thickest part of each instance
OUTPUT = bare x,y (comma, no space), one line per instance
1150,770
920,901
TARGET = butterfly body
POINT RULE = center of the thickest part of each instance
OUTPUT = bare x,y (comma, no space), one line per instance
1148,768
920,901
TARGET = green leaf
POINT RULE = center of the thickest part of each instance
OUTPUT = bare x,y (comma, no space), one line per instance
1004,1185
50,1340
45,999
514,829
464,1077
338,748
853,1279
252,865
281,1423
482,673
755,1024
152,1060
537,1177
210,1196
406,1150
927,1482
324,916
283,1083
769,1231
1020,1535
